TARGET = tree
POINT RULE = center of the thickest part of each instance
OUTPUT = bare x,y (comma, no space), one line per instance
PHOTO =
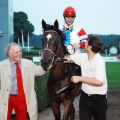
21,23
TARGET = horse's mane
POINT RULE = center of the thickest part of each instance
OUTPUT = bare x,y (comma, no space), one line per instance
62,36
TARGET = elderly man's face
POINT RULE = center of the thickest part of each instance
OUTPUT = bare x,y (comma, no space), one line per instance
15,54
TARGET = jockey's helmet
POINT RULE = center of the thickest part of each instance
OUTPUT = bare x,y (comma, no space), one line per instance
69,11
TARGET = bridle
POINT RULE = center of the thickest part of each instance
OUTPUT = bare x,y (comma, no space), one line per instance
55,58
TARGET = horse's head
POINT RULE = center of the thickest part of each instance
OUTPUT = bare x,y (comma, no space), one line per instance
53,47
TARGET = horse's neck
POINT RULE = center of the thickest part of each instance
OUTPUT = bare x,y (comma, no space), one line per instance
60,51
57,70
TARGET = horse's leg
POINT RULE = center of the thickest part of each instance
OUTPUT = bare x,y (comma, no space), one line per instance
72,114
68,106
56,110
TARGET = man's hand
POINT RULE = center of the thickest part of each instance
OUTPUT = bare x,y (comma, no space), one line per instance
76,79
67,59
70,49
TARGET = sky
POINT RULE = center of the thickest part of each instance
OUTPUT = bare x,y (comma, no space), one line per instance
95,16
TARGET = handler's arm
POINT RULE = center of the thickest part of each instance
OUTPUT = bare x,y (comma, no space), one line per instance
88,80
76,58
97,80
38,70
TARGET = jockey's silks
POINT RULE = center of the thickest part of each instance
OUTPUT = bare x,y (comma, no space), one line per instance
67,32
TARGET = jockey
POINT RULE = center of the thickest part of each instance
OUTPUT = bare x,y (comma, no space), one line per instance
75,37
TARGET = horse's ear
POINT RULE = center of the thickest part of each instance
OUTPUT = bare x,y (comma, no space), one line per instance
44,25
56,24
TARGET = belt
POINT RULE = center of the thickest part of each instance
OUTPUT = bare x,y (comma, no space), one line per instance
92,95
13,95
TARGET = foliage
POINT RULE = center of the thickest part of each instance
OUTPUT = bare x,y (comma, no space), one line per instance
32,53
41,90
21,23
110,40
36,41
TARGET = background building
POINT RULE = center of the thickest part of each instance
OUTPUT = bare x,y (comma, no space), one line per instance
6,25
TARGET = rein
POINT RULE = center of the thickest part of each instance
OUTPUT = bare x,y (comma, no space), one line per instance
55,58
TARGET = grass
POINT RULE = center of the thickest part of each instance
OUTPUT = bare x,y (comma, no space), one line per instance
41,90
113,74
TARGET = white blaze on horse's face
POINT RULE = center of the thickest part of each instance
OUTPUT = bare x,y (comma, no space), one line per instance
48,37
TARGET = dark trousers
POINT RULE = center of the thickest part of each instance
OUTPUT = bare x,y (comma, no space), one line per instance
92,107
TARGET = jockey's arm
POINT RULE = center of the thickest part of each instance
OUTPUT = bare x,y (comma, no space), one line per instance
78,38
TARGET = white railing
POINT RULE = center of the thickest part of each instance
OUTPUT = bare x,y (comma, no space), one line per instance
111,59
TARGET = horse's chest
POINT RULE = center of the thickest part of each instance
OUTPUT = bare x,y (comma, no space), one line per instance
55,83
58,74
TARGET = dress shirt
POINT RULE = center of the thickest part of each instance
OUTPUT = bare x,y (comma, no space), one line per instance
14,88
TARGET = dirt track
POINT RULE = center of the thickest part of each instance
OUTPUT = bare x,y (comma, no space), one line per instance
113,112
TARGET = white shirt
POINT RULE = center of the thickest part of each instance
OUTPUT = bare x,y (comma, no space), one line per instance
92,68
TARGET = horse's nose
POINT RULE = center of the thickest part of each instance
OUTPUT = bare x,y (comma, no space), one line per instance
45,62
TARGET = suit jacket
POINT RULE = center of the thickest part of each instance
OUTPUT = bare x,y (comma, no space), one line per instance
29,71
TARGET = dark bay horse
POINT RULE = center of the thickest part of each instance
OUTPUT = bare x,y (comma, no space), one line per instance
60,89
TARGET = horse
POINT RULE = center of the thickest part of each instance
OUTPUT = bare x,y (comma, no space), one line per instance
60,88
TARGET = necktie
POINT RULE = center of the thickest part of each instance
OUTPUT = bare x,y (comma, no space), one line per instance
19,80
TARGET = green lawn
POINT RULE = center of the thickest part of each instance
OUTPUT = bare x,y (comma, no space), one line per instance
113,74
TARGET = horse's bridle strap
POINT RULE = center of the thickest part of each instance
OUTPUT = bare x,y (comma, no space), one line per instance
46,49
50,31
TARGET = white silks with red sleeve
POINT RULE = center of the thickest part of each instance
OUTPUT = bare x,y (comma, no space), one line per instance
78,37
